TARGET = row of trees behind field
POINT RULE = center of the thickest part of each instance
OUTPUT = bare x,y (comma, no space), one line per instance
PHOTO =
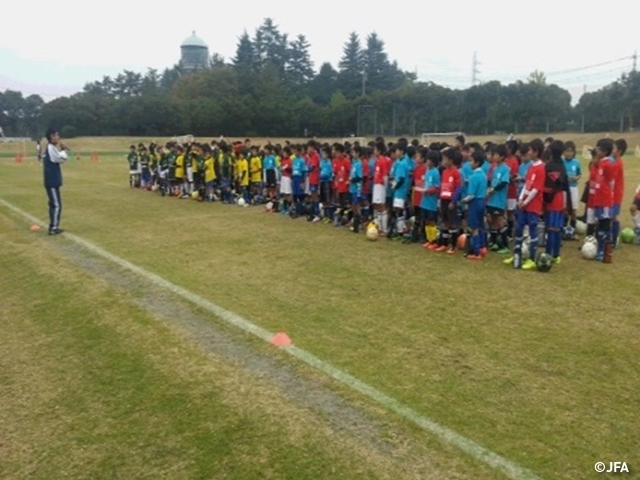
272,88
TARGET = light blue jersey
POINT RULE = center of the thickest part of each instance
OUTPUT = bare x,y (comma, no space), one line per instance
400,173
522,174
465,174
478,184
498,199
355,177
431,180
299,167
269,162
326,170
573,170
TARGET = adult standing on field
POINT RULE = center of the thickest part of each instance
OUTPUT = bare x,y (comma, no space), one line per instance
55,155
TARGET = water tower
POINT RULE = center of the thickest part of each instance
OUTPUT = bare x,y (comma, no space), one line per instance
194,54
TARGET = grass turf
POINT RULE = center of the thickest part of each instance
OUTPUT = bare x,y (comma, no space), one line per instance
537,367
93,387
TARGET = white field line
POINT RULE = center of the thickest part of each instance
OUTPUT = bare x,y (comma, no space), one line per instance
511,469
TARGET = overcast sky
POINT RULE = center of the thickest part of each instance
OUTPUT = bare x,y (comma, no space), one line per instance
67,45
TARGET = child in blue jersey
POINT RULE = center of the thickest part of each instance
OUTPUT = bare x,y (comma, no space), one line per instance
497,200
355,187
326,177
475,200
400,189
466,170
430,193
574,172
297,180
270,175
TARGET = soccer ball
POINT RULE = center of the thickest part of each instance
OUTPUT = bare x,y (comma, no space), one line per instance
627,235
372,232
269,206
589,250
195,195
462,241
154,188
241,202
581,227
544,262
591,239
569,233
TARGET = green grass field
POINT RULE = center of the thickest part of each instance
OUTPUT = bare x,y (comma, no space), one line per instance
538,368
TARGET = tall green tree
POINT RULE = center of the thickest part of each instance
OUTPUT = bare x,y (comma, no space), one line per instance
271,46
299,69
351,68
380,73
324,84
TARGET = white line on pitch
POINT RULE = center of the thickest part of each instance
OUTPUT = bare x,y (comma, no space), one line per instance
511,469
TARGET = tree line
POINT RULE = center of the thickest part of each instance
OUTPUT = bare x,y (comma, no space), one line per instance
272,88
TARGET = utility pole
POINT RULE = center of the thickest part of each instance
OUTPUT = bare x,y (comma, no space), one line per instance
393,120
364,82
474,69
584,90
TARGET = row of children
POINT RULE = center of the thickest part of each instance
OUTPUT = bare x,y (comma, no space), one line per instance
495,191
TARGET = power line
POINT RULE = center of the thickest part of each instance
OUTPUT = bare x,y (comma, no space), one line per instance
571,70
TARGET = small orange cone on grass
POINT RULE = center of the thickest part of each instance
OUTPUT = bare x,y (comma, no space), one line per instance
35,227
281,339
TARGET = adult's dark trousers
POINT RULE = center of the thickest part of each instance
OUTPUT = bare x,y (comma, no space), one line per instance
55,207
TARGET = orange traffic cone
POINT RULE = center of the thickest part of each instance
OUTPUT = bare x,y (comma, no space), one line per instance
281,339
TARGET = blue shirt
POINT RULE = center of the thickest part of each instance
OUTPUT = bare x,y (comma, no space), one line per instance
478,185
411,165
355,177
298,167
400,172
486,166
269,162
431,180
573,170
465,174
522,174
501,174
392,172
326,170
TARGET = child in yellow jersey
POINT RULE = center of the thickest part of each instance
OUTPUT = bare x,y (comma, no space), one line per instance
255,167
242,175
178,190
209,172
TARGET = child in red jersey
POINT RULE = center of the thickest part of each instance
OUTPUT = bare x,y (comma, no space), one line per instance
450,191
286,186
529,208
556,190
417,232
381,170
313,176
602,190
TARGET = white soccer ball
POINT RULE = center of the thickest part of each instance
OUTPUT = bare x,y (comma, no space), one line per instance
372,232
589,251
591,239
241,202
581,227
269,206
